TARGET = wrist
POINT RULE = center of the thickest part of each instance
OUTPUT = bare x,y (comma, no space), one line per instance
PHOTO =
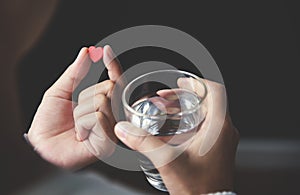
222,193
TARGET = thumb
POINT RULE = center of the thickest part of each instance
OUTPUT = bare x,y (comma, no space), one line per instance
72,76
138,139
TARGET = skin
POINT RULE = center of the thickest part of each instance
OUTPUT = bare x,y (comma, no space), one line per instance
62,136
189,171
196,169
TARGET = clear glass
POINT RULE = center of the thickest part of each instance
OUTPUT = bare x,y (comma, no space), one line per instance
167,104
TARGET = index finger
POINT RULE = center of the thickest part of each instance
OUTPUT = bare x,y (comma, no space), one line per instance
72,76
111,63
216,101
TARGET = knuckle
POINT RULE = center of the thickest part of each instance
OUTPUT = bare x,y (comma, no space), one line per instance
215,86
86,93
80,97
47,93
100,116
82,94
100,97
227,122
109,84
220,88
79,122
99,100
236,134
76,112
230,129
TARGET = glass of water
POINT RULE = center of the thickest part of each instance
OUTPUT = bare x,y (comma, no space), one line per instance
167,104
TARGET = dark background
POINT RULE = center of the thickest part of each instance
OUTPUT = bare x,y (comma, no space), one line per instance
256,45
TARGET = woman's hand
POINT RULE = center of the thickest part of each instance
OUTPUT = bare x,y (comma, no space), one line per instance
206,164
73,139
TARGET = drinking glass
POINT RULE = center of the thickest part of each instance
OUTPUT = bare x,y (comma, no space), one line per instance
167,104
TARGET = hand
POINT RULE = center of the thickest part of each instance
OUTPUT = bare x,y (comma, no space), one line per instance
207,164
73,139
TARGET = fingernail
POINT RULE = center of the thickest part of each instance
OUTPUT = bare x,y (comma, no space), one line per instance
182,81
172,97
78,137
109,55
121,130
173,110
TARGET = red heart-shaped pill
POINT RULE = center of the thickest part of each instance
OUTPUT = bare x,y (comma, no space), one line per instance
95,53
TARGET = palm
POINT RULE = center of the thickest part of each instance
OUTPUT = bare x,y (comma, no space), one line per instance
54,126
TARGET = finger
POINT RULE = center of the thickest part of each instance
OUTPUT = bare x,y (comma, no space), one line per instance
98,103
196,86
168,100
70,79
138,139
84,125
104,88
111,63
96,122
159,102
168,106
216,115
98,146
216,105
214,93
168,94
100,142
101,139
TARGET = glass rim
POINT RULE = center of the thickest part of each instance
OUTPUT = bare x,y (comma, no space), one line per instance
129,108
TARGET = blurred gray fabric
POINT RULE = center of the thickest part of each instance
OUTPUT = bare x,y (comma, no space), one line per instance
85,183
